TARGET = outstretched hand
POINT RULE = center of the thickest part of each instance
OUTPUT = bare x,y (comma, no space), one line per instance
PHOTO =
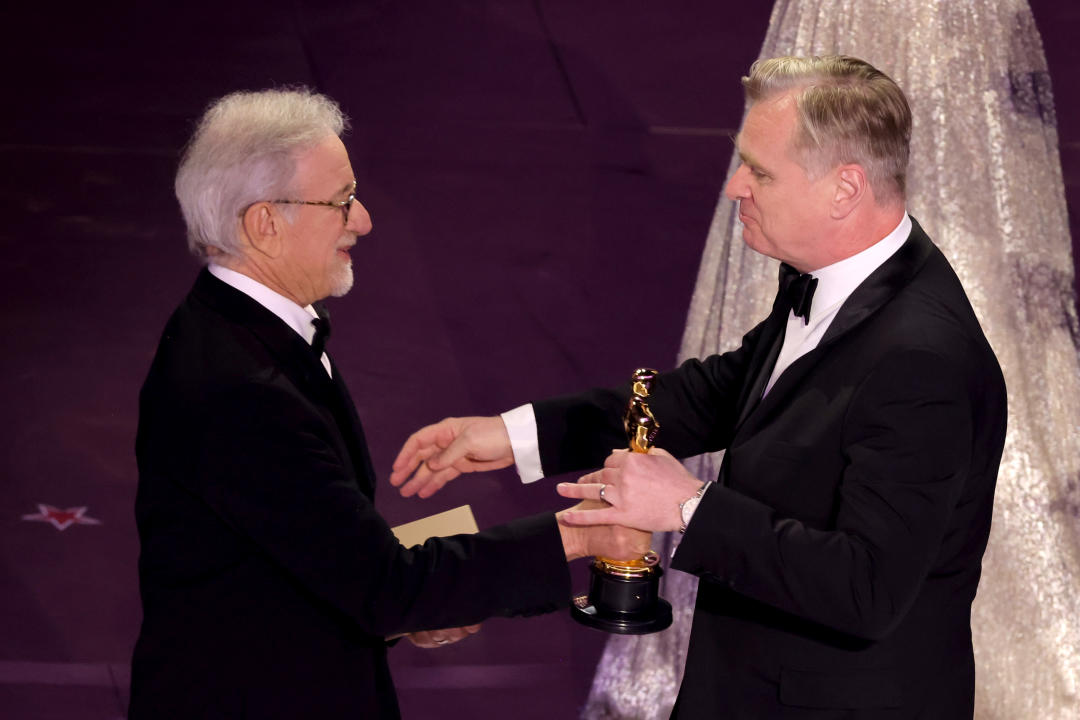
640,490
436,454
441,638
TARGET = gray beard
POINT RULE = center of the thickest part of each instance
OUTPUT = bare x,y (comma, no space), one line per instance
342,280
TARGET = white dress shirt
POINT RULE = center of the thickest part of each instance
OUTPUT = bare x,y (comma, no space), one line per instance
835,283
296,317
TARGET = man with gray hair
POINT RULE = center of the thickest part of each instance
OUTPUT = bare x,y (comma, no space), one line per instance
269,582
862,422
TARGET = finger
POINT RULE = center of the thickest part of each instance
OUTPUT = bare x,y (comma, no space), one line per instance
416,462
421,465
452,635
417,481
422,640
660,451
422,438
426,482
583,491
616,458
607,476
577,518
457,634
403,468
591,479
601,493
406,453
443,466
412,454
436,482
453,450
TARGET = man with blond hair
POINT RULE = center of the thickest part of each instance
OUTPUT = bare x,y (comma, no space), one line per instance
269,582
863,422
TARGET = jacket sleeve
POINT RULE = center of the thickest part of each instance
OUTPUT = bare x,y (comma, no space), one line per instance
695,404
267,467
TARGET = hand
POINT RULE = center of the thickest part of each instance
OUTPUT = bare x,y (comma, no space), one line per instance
441,638
439,453
641,490
610,541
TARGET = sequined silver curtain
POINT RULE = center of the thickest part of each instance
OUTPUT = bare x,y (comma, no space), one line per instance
985,182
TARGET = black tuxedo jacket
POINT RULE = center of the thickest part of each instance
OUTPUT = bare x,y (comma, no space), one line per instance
840,549
268,579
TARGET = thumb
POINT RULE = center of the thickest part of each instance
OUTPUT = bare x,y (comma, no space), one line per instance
453,452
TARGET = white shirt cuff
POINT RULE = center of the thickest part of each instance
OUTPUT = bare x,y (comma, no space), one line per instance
521,427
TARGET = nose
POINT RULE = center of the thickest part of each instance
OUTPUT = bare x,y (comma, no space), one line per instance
359,219
737,186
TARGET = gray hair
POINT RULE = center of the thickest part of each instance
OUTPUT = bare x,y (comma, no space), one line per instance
244,151
848,112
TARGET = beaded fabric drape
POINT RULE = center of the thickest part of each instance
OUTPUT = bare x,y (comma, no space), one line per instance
985,182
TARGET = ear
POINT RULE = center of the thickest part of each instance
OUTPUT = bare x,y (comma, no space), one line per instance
850,189
264,228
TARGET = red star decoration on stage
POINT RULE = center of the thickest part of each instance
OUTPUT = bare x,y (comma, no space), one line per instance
61,519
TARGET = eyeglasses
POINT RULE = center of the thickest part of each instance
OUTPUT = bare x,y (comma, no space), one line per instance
345,205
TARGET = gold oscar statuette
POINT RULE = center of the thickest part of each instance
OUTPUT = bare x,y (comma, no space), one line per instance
624,595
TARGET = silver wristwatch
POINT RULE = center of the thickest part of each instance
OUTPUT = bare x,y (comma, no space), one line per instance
689,505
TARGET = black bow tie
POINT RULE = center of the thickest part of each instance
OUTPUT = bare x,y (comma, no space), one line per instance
797,290
322,330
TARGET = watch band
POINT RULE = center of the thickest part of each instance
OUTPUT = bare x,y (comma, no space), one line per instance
689,505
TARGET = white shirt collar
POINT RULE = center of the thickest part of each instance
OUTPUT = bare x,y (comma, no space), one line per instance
837,281
296,317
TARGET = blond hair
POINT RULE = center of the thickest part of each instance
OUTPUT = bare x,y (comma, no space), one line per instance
848,112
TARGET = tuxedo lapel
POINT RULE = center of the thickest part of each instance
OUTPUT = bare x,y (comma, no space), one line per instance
761,365
882,285
879,287
763,359
292,353
295,358
353,432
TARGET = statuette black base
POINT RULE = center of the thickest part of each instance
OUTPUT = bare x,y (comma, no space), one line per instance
623,605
